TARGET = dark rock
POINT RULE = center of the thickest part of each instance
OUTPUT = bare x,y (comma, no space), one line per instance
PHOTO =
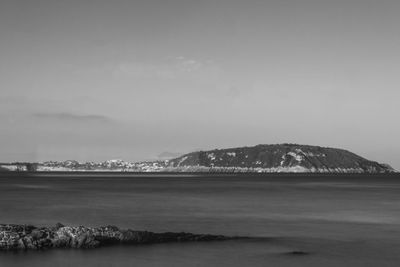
297,253
23,237
59,225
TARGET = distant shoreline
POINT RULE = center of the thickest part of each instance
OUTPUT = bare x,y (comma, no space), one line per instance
194,174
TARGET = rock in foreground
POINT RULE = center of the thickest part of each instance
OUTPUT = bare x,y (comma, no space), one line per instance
24,237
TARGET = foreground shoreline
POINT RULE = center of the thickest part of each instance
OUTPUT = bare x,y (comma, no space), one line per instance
29,237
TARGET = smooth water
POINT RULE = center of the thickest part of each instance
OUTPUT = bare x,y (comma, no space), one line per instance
341,220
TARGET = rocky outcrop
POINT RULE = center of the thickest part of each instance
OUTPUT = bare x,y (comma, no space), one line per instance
24,237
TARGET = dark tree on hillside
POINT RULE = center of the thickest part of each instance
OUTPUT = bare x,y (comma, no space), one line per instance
31,167
203,160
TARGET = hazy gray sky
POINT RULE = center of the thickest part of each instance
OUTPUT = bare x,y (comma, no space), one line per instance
94,80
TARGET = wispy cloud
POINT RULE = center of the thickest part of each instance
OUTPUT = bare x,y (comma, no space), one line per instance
170,69
65,116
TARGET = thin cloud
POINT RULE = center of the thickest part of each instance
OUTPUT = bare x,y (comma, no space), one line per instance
64,116
171,69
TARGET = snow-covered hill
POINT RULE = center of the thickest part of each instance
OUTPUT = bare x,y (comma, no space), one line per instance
280,158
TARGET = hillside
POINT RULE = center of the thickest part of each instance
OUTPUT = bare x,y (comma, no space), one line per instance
260,158
279,158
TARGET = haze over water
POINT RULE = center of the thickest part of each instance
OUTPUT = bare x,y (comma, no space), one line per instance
341,220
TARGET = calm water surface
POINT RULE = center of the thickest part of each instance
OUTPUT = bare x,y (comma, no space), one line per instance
347,220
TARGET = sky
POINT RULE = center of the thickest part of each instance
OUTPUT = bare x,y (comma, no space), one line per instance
98,80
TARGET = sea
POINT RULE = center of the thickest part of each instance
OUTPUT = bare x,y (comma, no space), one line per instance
291,219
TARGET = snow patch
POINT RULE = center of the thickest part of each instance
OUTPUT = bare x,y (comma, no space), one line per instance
182,160
211,156
14,167
297,157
